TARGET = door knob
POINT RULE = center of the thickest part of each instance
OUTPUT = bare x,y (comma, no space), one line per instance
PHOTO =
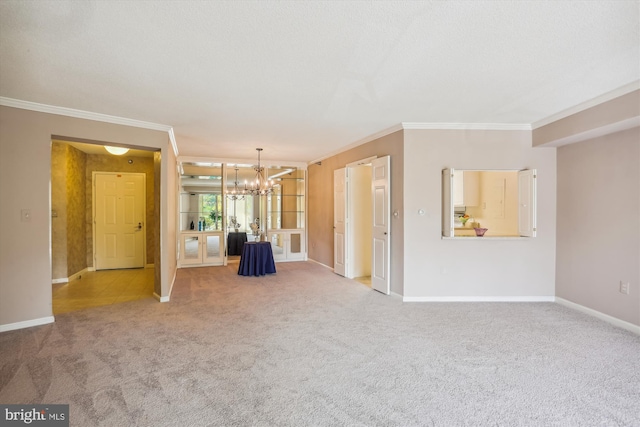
139,226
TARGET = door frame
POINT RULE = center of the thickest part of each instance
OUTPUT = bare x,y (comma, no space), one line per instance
93,212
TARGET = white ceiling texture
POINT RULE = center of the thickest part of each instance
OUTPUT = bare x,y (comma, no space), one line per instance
304,79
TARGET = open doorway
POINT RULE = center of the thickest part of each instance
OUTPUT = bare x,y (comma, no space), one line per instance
361,222
75,282
360,236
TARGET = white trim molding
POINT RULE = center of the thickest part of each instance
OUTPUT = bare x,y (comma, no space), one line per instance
425,126
160,299
27,324
384,132
88,115
481,299
319,263
72,277
465,126
80,114
628,88
168,297
609,319
629,123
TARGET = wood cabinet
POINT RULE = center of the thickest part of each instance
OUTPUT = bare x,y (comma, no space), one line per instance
466,188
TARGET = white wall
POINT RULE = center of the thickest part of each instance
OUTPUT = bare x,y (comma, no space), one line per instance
434,267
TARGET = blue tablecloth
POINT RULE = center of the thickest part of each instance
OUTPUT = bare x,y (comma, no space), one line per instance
256,259
235,242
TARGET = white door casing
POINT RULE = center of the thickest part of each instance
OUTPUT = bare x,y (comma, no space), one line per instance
447,202
381,196
119,215
340,220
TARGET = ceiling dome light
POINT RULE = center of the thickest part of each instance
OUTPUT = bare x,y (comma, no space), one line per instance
118,151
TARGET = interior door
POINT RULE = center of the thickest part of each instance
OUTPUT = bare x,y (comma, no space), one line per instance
119,215
381,196
448,176
527,203
340,192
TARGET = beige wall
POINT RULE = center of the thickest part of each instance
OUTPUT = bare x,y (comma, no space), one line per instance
320,205
436,267
25,262
618,113
598,237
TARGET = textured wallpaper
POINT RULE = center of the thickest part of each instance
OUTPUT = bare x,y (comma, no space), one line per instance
76,205
59,206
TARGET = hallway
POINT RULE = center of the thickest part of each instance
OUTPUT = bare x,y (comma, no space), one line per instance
105,287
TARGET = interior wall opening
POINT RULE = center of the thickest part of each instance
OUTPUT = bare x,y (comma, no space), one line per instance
76,284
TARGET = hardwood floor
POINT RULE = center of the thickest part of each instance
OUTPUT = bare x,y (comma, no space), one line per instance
105,287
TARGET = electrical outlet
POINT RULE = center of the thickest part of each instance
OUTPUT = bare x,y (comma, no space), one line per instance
624,287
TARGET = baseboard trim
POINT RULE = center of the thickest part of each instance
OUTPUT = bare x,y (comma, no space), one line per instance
149,265
159,298
78,274
72,277
481,299
595,313
319,263
27,324
168,297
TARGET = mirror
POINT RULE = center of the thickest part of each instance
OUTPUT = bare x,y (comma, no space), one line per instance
242,210
201,203
286,204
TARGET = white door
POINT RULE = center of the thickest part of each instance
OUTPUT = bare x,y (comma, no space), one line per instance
119,213
340,192
381,196
448,176
527,203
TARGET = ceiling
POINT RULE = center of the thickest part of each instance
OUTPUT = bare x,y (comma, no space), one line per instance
304,79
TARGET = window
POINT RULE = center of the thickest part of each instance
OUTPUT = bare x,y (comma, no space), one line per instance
502,201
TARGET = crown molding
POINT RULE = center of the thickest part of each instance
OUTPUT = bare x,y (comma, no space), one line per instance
80,114
426,126
369,138
174,144
628,88
620,126
465,126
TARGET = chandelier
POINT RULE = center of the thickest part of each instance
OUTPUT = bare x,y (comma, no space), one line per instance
237,193
260,186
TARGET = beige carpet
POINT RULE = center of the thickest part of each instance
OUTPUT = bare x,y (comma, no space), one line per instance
305,347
